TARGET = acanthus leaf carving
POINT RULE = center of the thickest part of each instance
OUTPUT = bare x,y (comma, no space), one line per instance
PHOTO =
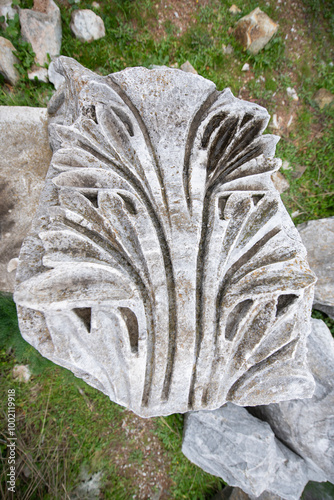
162,261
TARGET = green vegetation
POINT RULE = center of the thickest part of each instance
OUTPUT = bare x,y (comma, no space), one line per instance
64,425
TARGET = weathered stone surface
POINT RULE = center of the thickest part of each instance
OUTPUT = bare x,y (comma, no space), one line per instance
162,266
21,373
318,238
323,98
40,73
307,426
243,451
7,11
55,77
255,30
280,182
24,159
7,61
42,30
188,68
86,25
234,9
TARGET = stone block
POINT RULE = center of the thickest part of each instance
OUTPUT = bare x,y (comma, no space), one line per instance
242,450
24,160
7,61
307,426
255,30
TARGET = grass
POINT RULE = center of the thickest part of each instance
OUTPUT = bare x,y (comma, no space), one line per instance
63,425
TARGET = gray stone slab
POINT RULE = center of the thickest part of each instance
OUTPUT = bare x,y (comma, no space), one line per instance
24,159
307,426
242,450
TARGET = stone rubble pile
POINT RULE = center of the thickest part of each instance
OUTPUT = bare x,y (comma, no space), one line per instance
41,27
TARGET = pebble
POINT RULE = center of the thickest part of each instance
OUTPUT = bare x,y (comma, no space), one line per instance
292,93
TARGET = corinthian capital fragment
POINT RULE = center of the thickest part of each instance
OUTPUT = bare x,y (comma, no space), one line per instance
162,266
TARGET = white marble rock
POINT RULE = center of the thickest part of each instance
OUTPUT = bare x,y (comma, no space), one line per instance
162,266
86,25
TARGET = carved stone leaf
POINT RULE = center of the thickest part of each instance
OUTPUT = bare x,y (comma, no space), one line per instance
162,267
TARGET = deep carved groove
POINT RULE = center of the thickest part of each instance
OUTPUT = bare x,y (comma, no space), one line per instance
132,326
211,127
125,120
85,314
92,197
90,112
256,198
130,206
284,302
221,206
235,317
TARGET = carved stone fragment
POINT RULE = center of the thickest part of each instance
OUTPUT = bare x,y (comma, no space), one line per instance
162,267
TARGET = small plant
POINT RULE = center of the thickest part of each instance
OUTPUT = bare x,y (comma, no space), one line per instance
24,51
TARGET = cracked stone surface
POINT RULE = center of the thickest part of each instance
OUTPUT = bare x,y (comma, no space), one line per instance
307,426
274,449
162,266
24,160
318,238
243,451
